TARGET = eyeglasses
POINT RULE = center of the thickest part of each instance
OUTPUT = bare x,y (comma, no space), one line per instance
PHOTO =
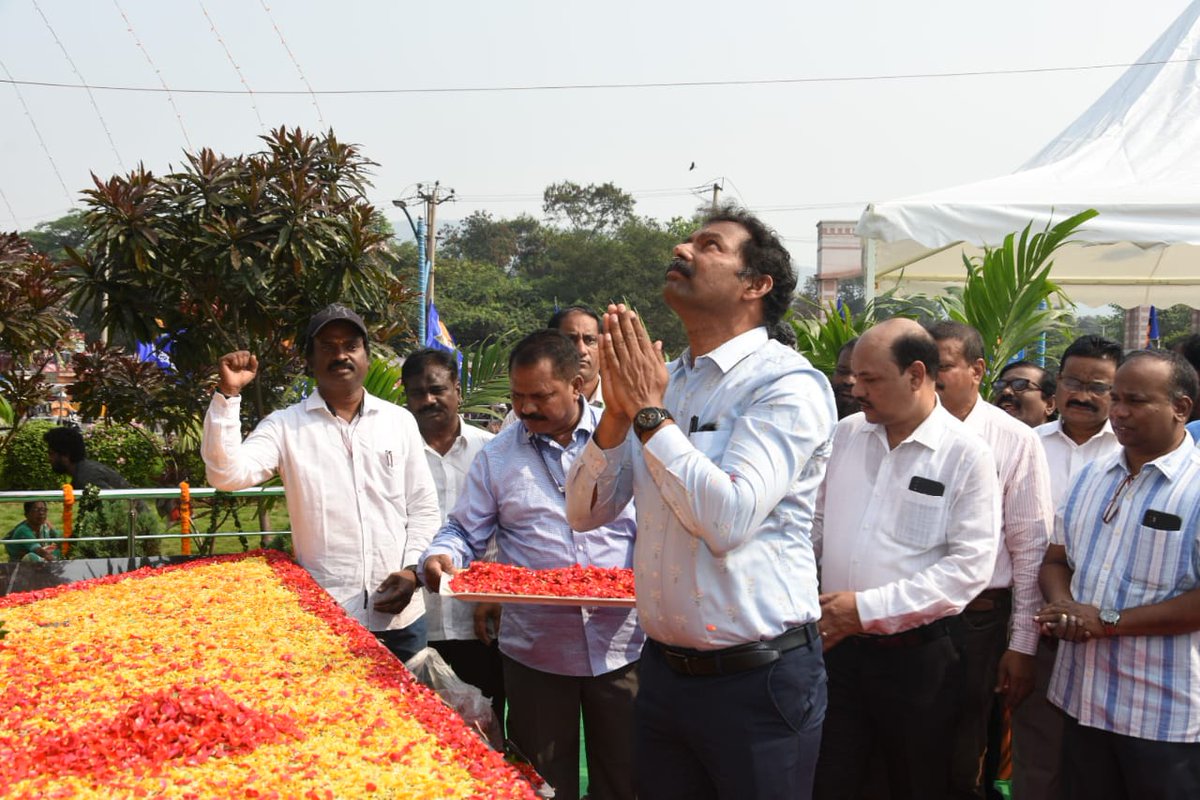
1110,510
1018,385
1076,385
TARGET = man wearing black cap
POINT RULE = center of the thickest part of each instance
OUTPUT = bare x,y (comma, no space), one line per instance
362,501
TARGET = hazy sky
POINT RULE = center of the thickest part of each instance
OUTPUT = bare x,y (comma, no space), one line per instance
795,151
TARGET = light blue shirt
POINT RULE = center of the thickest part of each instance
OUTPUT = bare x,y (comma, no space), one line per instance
514,492
725,507
1147,687
1194,429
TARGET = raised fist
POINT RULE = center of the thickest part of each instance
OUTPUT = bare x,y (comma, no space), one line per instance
236,370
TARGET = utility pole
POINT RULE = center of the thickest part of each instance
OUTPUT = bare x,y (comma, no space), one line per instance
433,198
716,190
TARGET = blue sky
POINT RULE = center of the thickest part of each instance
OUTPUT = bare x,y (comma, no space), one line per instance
796,152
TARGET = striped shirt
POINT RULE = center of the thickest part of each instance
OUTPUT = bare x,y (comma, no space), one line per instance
1027,515
1147,687
515,493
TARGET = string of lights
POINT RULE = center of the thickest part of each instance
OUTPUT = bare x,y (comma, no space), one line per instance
41,140
212,26
153,66
82,80
295,63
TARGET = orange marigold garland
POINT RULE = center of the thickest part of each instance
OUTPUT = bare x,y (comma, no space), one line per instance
225,676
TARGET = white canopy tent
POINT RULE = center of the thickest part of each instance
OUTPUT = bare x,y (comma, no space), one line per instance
1134,155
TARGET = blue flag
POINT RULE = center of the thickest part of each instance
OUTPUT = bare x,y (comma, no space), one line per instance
1152,328
437,335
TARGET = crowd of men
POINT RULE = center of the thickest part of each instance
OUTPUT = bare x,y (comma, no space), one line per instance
842,582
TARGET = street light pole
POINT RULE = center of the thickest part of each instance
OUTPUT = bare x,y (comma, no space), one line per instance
422,267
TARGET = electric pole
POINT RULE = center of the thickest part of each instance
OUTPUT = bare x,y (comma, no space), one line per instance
433,198
716,190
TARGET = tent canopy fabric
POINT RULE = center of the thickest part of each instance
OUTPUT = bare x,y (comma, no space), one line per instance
1134,155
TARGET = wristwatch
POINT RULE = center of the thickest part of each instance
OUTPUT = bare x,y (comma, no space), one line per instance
1109,617
650,418
416,570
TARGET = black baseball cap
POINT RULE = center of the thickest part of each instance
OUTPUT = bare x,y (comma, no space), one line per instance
332,313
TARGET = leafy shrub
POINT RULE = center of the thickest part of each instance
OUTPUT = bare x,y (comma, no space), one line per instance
133,452
96,517
26,465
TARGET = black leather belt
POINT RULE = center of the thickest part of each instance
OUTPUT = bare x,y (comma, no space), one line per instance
990,600
742,657
911,638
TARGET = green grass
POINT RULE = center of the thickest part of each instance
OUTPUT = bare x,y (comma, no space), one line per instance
11,514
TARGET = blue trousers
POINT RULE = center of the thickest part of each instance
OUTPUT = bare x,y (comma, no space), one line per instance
405,642
751,734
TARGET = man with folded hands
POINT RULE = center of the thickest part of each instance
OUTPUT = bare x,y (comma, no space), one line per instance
907,527
724,450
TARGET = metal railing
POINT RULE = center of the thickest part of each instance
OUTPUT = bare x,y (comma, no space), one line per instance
68,497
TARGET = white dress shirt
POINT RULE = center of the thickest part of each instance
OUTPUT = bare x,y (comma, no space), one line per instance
1066,458
447,618
359,494
912,530
723,552
1027,515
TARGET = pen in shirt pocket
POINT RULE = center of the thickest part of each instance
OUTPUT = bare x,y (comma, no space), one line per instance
388,453
694,426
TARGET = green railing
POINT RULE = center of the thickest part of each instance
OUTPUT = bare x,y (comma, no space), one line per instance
69,499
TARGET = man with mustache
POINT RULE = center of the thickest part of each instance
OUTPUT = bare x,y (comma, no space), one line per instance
998,662
582,326
1025,391
432,393
1122,584
1081,434
907,528
360,497
843,382
724,449
559,661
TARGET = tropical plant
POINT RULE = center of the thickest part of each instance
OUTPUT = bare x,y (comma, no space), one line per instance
34,322
820,340
233,253
1008,295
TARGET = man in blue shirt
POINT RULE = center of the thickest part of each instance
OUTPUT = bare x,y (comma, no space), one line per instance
557,659
724,450
1122,585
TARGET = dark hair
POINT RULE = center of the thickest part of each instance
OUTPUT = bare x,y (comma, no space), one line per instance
847,346
1189,348
1048,382
762,254
29,504
908,348
417,362
556,319
548,344
1091,346
964,334
1184,382
783,333
67,441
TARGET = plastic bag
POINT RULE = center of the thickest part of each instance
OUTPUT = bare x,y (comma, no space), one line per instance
431,669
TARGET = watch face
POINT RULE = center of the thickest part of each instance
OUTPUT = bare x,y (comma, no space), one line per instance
1109,617
649,418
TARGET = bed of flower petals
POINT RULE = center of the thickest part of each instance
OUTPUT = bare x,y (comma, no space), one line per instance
574,581
234,676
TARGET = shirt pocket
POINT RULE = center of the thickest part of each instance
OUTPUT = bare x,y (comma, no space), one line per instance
1158,568
921,521
710,443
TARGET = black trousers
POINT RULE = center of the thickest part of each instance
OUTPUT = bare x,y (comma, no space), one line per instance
752,734
1099,765
479,665
984,640
895,703
543,721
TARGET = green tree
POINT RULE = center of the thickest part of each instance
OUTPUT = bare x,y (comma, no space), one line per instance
34,321
593,208
235,253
